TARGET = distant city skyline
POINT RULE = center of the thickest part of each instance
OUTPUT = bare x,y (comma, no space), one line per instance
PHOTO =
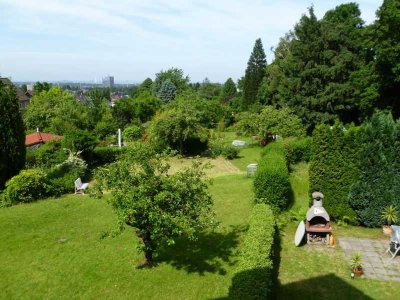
80,40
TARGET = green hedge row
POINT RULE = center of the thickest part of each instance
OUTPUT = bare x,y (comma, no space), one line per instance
255,272
271,180
334,168
297,150
105,155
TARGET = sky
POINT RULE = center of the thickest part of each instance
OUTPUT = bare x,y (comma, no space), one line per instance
77,40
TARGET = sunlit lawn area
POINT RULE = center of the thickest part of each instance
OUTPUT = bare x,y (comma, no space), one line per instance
52,250
313,272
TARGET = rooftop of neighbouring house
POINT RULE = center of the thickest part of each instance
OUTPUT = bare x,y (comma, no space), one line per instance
40,137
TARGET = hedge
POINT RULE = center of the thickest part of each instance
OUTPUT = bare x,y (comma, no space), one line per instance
105,155
271,180
334,168
297,150
378,185
255,274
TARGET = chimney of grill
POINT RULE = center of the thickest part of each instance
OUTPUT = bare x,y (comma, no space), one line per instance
318,197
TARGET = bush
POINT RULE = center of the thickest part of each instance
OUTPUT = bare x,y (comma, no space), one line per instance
297,150
255,272
271,180
132,133
80,140
227,151
105,155
28,186
63,176
334,168
46,155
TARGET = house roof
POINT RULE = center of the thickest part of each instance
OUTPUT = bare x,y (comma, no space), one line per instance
40,137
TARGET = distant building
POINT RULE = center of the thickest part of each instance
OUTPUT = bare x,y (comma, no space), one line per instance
24,98
108,81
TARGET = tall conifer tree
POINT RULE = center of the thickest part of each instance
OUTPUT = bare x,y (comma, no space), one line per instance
256,70
12,134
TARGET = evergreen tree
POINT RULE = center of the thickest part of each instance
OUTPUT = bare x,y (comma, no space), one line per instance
146,85
12,134
256,69
167,91
229,91
379,182
386,36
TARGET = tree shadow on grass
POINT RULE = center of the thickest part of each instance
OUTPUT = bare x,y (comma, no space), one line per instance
209,253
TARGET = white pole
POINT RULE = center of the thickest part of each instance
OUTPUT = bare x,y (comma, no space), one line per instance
119,138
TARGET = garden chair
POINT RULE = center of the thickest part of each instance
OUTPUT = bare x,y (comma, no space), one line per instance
80,187
394,246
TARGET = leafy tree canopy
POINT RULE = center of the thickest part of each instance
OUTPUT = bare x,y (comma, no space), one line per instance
176,76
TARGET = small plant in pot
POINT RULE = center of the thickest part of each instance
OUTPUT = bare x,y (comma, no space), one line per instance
389,215
356,264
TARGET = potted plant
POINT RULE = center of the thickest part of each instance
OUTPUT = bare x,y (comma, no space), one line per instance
389,215
356,264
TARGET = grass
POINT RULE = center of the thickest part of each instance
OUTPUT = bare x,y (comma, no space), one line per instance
52,250
313,272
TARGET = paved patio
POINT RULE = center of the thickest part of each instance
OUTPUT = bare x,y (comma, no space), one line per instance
377,263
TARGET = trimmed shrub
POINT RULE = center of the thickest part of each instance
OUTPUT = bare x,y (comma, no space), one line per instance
378,185
335,166
297,150
271,180
80,140
132,133
255,272
221,149
105,155
28,186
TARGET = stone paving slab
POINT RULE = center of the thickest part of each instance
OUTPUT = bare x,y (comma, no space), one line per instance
377,263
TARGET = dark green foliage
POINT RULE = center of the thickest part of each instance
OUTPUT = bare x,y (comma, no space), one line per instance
97,105
132,133
80,141
254,276
56,111
46,155
255,72
12,134
386,43
146,86
179,129
62,177
336,154
209,90
29,185
271,180
140,109
297,150
228,151
105,155
378,185
229,91
39,87
320,69
176,76
160,206
167,92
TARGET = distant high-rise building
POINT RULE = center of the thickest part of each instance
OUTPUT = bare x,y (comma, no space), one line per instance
108,81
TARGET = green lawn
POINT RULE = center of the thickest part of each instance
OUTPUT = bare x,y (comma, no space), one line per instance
312,272
52,250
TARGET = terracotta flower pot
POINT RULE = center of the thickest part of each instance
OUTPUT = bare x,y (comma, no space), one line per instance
386,230
358,272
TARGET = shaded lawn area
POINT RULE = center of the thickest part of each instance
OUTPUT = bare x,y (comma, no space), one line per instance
52,250
316,272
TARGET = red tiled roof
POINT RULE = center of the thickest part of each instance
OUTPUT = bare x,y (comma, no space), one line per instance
40,137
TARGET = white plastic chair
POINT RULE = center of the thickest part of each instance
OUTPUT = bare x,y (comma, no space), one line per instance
394,241
80,187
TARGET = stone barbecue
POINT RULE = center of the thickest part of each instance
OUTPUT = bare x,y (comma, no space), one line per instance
318,228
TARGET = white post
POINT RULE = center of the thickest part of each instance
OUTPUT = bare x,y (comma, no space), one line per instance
119,138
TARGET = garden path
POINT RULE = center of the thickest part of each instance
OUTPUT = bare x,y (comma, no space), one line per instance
377,263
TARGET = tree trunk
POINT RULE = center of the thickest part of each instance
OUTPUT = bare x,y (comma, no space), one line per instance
148,249
148,254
